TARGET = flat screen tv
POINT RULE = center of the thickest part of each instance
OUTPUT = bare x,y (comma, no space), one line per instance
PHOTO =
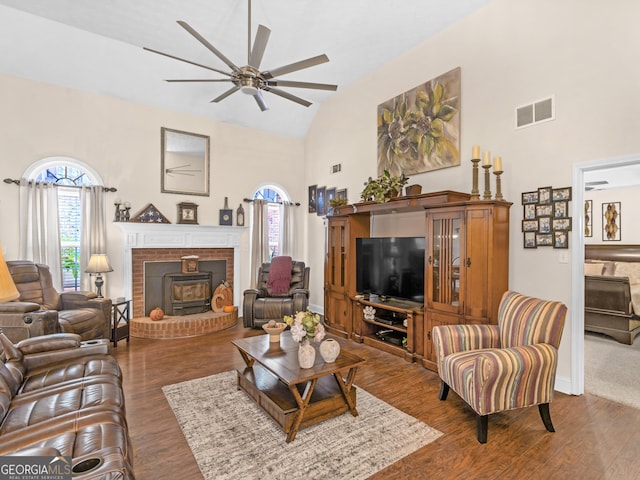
391,267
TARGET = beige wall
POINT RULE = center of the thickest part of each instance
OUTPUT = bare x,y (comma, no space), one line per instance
121,141
510,53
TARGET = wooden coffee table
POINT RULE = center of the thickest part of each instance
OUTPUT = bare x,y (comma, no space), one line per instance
296,397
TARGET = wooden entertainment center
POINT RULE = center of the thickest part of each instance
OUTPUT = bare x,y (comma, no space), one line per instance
466,272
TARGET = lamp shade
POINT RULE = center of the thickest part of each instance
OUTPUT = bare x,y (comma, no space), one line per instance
98,263
8,290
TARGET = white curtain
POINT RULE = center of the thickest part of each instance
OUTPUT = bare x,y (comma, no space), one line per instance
93,234
259,237
39,227
287,229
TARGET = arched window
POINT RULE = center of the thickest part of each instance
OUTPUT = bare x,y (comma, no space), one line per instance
68,174
276,197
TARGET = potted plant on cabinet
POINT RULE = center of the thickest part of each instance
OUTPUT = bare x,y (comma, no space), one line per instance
384,187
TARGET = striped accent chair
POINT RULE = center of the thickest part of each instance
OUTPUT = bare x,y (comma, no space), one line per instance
501,367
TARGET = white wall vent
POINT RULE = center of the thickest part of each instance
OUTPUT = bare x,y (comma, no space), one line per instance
536,112
336,168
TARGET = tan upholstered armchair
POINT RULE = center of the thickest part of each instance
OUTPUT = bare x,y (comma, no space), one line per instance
506,366
260,305
41,310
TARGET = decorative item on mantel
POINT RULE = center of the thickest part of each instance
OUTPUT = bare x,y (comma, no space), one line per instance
383,188
149,214
226,214
122,211
240,216
188,213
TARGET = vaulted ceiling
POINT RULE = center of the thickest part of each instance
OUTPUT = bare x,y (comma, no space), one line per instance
96,45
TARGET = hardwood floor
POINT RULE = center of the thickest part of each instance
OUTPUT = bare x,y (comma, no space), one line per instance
595,438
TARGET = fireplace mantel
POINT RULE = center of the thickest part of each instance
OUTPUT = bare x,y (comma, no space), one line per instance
163,235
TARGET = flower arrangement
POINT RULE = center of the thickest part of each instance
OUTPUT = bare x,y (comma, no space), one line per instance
305,326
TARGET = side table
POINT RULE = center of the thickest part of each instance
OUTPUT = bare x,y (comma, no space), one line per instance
120,325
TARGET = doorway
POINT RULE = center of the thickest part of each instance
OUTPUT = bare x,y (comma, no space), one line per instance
577,271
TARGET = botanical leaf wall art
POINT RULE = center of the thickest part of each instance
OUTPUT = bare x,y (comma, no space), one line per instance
419,130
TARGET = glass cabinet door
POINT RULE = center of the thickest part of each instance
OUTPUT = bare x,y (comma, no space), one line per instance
337,254
443,261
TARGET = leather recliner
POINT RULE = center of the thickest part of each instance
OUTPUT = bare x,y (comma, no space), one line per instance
41,310
261,305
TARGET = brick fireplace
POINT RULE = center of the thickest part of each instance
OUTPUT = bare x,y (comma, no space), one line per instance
167,242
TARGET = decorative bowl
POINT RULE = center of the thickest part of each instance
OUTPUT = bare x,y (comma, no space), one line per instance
274,332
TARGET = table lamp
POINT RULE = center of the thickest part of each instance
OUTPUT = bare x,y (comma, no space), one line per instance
98,264
8,290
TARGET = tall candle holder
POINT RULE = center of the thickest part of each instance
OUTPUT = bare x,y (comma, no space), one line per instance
475,193
497,173
487,182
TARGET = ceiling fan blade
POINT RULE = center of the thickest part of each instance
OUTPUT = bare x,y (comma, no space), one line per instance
200,80
187,61
259,46
260,101
204,42
233,89
309,62
288,83
287,95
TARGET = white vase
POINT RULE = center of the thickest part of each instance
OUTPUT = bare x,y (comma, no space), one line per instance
306,354
329,350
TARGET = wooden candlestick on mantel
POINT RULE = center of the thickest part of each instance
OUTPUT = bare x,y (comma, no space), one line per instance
487,182
499,196
475,192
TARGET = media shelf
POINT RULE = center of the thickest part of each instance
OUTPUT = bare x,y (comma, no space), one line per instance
393,327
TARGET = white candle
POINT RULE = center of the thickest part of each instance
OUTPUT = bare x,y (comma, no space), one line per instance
497,164
486,159
475,152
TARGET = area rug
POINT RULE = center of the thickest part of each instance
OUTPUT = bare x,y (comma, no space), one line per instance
611,369
232,438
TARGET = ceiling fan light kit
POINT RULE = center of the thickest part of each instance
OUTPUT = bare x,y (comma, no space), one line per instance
249,79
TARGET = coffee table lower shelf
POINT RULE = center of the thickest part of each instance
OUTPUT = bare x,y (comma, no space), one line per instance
275,398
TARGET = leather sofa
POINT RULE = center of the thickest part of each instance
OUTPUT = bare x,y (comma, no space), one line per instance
41,310
63,397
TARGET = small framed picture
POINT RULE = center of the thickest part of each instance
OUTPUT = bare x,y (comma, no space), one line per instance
530,225
312,198
342,194
188,213
530,211
544,195
561,209
561,194
530,197
544,239
544,225
331,194
530,240
561,224
321,192
560,240
588,218
544,210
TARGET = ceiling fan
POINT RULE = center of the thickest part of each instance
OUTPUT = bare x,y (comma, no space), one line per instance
249,79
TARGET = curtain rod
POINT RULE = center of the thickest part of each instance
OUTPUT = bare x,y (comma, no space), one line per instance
250,200
17,182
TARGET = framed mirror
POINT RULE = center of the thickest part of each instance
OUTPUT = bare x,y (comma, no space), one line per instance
185,163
